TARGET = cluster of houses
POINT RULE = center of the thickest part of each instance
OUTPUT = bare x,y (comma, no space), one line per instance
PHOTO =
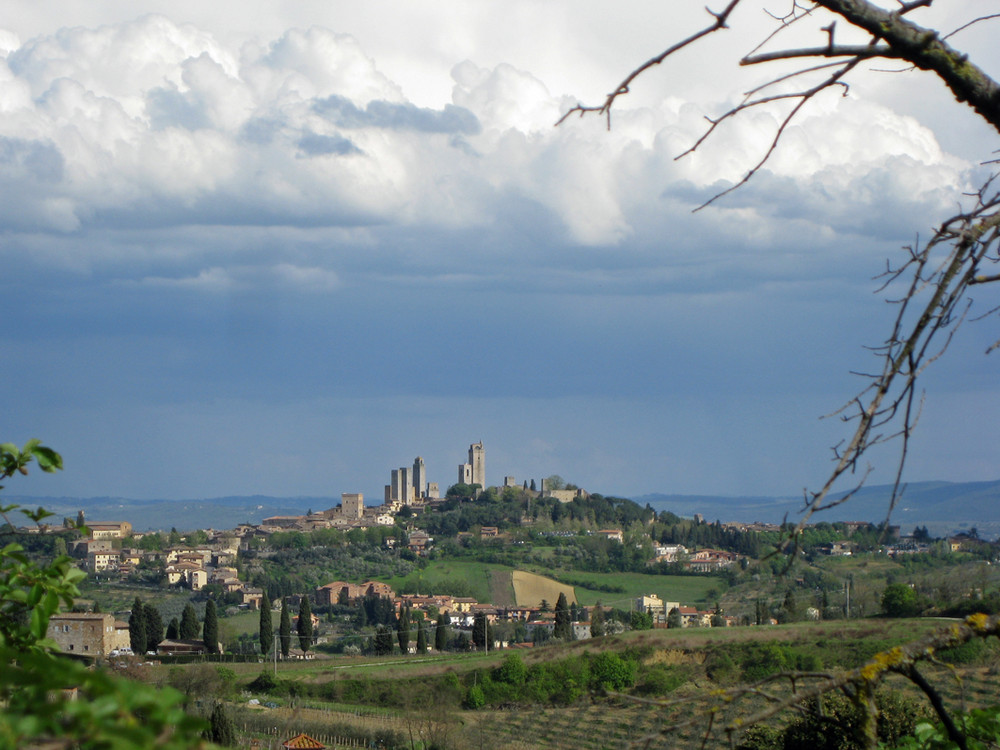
701,561
102,635
462,611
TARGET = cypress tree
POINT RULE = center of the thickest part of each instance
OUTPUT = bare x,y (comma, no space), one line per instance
383,640
564,626
421,637
266,625
403,630
154,627
173,630
674,619
361,619
597,621
441,632
221,729
190,626
137,628
305,626
210,635
480,630
285,629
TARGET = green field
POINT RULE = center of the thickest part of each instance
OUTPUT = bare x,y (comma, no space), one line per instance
451,575
245,622
688,590
611,589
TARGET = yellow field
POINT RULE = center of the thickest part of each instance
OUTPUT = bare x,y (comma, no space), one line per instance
530,589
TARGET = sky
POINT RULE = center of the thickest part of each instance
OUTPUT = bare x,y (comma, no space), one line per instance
283,248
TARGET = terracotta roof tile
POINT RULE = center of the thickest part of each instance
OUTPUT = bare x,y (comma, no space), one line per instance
303,742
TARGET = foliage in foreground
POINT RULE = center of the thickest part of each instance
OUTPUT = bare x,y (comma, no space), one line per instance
36,681
980,728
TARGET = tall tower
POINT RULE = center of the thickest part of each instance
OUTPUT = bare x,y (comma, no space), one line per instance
352,504
419,478
477,460
405,485
396,492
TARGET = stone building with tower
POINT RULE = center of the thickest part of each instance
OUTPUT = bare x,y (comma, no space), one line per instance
352,505
474,472
409,485
400,488
419,478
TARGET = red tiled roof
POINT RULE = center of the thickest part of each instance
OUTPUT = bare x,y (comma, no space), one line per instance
303,742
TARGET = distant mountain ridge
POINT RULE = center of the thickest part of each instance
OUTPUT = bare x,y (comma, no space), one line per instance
184,515
944,507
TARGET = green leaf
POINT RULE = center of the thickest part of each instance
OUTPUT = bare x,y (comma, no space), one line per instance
48,460
37,515
38,623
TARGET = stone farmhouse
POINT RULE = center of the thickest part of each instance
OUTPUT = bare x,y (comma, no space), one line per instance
331,592
88,634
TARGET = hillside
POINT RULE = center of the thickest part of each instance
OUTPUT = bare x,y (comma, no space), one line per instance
557,695
944,507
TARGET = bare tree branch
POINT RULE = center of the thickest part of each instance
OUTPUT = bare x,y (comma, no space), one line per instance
926,50
861,52
623,87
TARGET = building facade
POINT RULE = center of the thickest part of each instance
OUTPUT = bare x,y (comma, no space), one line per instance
88,634
352,505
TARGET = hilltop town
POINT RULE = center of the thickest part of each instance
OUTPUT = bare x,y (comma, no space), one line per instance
546,526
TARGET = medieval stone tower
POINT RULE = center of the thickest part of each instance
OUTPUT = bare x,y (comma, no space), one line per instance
419,478
352,505
474,472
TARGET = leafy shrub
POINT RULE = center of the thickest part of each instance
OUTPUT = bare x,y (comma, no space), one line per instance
474,698
720,667
662,679
762,660
511,670
760,737
899,600
264,683
969,652
608,671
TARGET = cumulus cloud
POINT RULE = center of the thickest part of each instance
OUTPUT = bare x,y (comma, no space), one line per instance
158,123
